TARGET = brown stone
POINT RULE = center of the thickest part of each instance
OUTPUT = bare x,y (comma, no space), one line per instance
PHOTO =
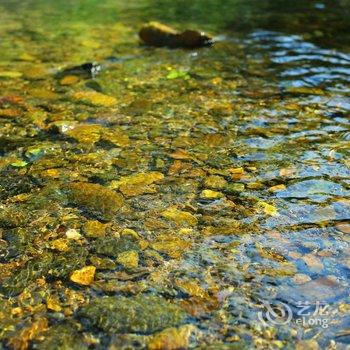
158,34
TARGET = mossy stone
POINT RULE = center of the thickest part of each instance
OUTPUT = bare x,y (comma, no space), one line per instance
113,246
62,337
94,199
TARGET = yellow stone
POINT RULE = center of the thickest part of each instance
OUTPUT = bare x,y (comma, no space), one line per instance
95,98
287,172
181,154
26,57
301,278
143,244
54,173
19,164
129,259
84,276
192,288
60,244
53,304
216,81
136,190
285,269
216,182
73,234
94,228
277,188
22,339
86,133
172,246
344,308
185,231
209,194
129,231
116,137
180,217
172,338
236,170
268,208
102,263
255,185
307,345
137,184
69,80
10,74
10,113
142,178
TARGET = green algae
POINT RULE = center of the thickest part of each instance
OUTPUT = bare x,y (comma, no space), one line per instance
141,314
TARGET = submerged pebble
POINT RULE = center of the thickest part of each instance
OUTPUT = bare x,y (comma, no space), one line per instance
95,98
84,276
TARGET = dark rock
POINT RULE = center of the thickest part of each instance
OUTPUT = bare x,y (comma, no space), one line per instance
12,183
17,241
87,70
157,34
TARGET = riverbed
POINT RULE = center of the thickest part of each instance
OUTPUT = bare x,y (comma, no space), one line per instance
158,198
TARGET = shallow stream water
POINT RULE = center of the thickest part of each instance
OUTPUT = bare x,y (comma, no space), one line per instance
172,198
